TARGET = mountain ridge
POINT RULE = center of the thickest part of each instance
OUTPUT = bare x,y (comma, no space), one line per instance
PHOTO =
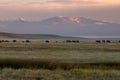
61,25
35,36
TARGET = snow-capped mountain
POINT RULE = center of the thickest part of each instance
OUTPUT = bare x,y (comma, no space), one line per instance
60,25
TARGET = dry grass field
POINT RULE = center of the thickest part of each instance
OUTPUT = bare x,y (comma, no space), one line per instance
58,61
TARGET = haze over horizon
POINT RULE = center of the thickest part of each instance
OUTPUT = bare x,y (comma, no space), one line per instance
36,10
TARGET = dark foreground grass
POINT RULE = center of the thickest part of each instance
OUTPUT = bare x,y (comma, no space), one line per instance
58,74
52,65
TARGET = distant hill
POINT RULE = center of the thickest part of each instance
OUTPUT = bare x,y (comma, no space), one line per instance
61,25
34,36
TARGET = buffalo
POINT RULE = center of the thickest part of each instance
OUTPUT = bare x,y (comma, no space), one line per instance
108,41
68,41
98,41
27,41
103,41
47,41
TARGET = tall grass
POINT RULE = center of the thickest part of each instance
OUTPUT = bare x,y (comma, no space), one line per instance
46,64
58,74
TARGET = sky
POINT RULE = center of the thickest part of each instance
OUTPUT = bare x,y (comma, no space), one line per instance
34,10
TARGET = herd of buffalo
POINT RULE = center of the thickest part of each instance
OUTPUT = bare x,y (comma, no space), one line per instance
67,41
105,41
14,41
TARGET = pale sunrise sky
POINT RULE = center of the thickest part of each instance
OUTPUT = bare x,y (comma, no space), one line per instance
40,9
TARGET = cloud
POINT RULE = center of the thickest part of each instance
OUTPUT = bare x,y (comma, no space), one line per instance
58,4
36,9
79,1
92,2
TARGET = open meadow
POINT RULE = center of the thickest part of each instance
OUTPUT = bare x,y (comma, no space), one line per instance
59,61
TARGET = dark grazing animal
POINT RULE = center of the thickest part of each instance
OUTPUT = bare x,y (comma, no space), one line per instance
27,41
68,41
47,41
108,41
119,41
98,41
103,41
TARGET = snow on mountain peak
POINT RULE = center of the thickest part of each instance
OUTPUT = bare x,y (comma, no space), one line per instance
20,19
70,19
74,19
100,23
60,16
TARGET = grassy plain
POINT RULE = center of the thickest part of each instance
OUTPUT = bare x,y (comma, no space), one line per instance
58,61
62,52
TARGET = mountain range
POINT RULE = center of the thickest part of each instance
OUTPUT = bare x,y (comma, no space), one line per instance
61,25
